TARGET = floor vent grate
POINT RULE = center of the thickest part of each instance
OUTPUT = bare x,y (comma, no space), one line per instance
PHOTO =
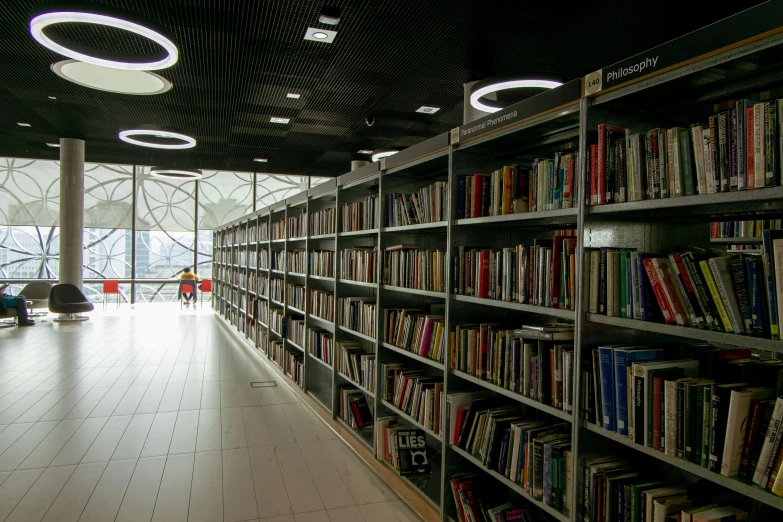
263,384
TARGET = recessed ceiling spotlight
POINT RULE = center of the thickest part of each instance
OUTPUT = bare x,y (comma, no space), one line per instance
293,95
24,124
260,160
52,144
157,137
502,83
428,110
111,80
320,35
161,59
383,153
176,174
52,97
329,15
279,120
364,151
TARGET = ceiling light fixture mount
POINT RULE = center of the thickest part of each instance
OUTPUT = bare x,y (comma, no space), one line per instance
383,153
501,83
320,35
121,81
425,109
329,15
364,151
275,119
293,95
260,160
52,144
175,174
46,17
157,137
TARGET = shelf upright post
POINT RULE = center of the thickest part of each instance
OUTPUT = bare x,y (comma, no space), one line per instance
306,338
380,215
338,243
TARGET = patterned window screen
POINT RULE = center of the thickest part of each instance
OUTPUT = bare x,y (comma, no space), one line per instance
223,197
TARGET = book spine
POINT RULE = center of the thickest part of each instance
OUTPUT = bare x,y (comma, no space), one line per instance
739,128
752,435
731,132
721,272
657,287
684,289
669,291
772,158
680,430
750,161
639,418
760,165
686,163
695,280
768,259
670,418
771,441
715,294
741,287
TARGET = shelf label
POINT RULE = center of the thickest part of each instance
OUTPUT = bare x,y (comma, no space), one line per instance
593,82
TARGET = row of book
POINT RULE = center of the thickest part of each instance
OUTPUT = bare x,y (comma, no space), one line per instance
616,489
541,274
416,331
354,409
414,393
297,226
320,344
408,266
322,263
261,312
322,304
290,361
476,502
535,361
296,330
736,293
297,261
699,408
263,258
277,229
277,322
737,149
535,454
405,449
361,215
744,228
358,314
428,205
276,289
295,295
323,222
358,264
355,363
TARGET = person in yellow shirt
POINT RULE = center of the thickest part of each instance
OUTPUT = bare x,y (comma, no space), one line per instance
187,275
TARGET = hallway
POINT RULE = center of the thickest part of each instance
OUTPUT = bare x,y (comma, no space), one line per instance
148,415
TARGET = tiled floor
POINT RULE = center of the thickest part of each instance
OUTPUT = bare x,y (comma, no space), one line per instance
148,416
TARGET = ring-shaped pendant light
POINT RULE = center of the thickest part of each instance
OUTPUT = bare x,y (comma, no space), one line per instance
383,153
45,18
485,87
157,137
175,174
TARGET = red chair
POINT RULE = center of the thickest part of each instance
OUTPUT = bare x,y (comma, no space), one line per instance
205,286
187,286
111,286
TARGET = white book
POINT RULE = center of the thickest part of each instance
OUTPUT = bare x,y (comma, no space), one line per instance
759,163
709,163
736,425
760,475
698,155
670,417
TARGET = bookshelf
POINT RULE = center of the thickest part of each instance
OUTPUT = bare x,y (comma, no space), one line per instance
562,120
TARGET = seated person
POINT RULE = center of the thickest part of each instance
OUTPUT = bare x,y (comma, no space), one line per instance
18,302
187,275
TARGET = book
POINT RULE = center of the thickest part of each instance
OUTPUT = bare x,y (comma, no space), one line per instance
770,445
412,452
720,514
737,425
361,411
719,408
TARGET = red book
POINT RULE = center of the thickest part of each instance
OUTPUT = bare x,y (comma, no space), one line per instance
458,428
482,290
750,437
593,174
657,286
456,484
601,172
750,153
476,195
656,402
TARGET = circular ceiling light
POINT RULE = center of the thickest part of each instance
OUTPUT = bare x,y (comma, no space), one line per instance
483,88
320,35
176,174
382,153
123,81
157,137
166,57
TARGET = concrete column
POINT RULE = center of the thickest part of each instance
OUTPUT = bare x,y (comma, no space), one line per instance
71,210
468,112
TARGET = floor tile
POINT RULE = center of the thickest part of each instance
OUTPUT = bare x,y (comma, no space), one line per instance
379,512
277,423
233,429
14,488
332,489
80,442
174,494
229,397
109,402
300,424
35,504
19,450
185,432
312,516
209,436
19,407
11,434
404,513
88,403
256,431
151,400
69,504
271,496
346,514
191,396
239,501
133,439
363,484
138,503
206,494
298,481
130,401
210,395
107,440
108,494
159,437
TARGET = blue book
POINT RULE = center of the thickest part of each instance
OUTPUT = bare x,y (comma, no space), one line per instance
606,363
623,358
461,196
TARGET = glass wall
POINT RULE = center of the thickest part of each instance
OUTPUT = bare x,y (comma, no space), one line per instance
171,224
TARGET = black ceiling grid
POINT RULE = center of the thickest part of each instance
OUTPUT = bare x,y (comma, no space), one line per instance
238,59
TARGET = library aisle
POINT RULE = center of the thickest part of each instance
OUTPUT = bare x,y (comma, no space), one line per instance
149,415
